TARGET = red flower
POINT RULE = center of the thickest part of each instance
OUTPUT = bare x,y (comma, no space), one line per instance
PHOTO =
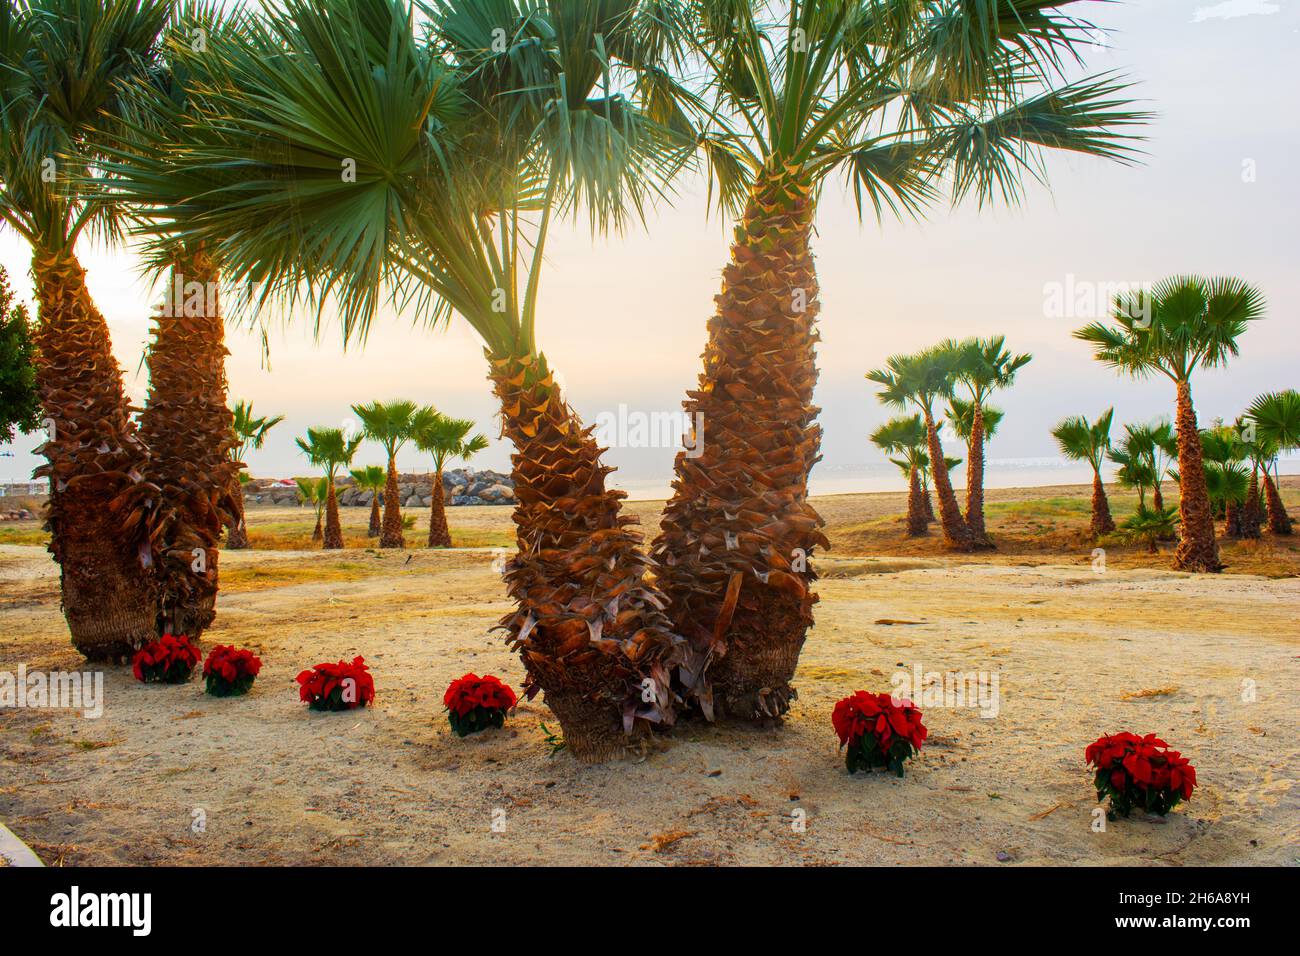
880,715
353,681
170,658
466,693
231,663
1140,771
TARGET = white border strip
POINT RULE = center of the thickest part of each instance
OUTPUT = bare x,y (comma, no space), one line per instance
15,851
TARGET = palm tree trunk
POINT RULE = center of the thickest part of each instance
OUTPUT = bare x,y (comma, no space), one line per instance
1232,524
187,428
333,527
99,527
975,481
391,535
1102,522
439,535
1252,517
928,502
1197,550
318,534
916,521
1279,522
956,535
737,538
376,524
1157,498
237,536
588,622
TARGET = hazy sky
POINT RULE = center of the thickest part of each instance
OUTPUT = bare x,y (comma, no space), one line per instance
623,319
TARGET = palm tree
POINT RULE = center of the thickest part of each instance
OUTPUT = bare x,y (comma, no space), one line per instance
63,67
983,366
372,478
906,436
313,493
249,432
896,100
331,449
1081,440
392,425
1150,525
1184,323
445,438
437,185
920,380
1276,416
1227,481
1144,455
185,422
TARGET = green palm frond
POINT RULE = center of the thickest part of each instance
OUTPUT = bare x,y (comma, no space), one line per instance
1081,440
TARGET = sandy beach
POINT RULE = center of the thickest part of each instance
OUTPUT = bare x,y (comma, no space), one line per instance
169,775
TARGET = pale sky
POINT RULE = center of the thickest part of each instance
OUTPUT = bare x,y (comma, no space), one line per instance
623,319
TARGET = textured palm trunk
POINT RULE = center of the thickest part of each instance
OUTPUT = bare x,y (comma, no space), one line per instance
318,534
1232,514
956,535
1252,516
99,532
187,428
1197,549
333,527
237,537
439,535
391,534
916,521
376,523
975,482
1157,498
737,537
589,623
928,502
1102,522
1279,522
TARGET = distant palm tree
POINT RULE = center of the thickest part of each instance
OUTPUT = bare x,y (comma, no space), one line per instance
1184,323
983,366
312,492
1277,421
444,438
392,425
906,436
1144,455
64,65
1081,440
371,478
249,435
330,449
920,380
1227,480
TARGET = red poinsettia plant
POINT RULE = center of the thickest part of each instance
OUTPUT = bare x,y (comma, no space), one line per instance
169,660
1139,772
476,703
340,686
878,731
230,671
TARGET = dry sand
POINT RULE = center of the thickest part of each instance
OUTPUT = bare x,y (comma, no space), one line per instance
1077,653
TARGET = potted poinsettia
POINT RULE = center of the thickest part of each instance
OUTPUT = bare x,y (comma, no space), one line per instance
340,686
877,730
1141,772
230,671
476,703
169,660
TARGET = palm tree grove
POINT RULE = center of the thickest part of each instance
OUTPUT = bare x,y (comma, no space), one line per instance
683,433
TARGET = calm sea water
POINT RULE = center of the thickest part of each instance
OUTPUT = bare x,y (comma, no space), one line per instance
857,479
